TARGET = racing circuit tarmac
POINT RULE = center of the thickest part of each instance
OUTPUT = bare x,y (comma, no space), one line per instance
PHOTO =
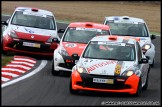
45,89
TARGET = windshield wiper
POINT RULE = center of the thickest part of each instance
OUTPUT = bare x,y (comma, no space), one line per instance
123,35
111,59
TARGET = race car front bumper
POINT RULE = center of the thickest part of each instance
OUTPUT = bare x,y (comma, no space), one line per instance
150,54
85,82
63,63
16,45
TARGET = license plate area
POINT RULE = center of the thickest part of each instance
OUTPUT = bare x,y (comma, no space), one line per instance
31,44
71,61
106,81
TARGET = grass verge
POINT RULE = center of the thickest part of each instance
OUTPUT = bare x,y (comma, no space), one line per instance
5,60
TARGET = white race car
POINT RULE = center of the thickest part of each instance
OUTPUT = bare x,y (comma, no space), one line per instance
31,31
111,64
136,27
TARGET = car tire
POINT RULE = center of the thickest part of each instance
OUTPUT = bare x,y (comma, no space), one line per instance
147,79
3,51
53,71
139,89
72,91
153,63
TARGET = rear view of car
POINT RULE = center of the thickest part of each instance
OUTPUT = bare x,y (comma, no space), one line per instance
74,40
135,27
31,31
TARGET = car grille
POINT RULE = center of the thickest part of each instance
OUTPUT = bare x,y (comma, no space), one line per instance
44,48
103,86
67,65
87,81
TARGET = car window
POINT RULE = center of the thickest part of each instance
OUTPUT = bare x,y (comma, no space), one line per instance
43,22
121,52
128,29
139,51
82,35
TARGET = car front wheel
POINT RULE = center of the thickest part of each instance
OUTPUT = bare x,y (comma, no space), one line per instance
72,91
147,79
137,94
153,63
53,69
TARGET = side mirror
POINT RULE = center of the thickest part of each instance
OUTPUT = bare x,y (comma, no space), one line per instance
4,23
75,56
143,60
55,40
153,36
61,30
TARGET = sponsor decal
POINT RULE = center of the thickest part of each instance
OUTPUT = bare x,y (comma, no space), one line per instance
116,18
28,30
71,45
22,9
86,60
117,69
91,60
91,68
89,29
81,46
142,38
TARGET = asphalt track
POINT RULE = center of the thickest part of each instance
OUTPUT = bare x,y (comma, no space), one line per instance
45,89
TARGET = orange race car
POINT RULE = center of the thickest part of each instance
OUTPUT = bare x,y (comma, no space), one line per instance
111,64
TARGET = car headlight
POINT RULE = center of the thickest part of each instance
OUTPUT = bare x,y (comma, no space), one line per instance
81,69
146,47
62,51
128,73
50,39
12,34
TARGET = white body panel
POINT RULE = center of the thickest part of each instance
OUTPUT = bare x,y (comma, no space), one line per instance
143,40
31,30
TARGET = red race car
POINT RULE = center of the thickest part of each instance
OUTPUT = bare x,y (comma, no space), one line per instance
31,31
74,40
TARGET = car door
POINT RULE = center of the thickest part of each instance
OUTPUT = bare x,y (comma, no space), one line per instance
143,66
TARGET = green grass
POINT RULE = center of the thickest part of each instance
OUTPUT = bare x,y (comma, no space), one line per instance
5,60
155,33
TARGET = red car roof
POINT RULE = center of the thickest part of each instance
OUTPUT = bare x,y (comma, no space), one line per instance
89,25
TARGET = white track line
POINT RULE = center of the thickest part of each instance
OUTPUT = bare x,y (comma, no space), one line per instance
10,74
13,69
41,66
26,63
20,66
25,59
4,79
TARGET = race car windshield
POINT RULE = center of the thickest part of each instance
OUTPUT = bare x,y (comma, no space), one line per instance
128,29
37,21
83,35
110,51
